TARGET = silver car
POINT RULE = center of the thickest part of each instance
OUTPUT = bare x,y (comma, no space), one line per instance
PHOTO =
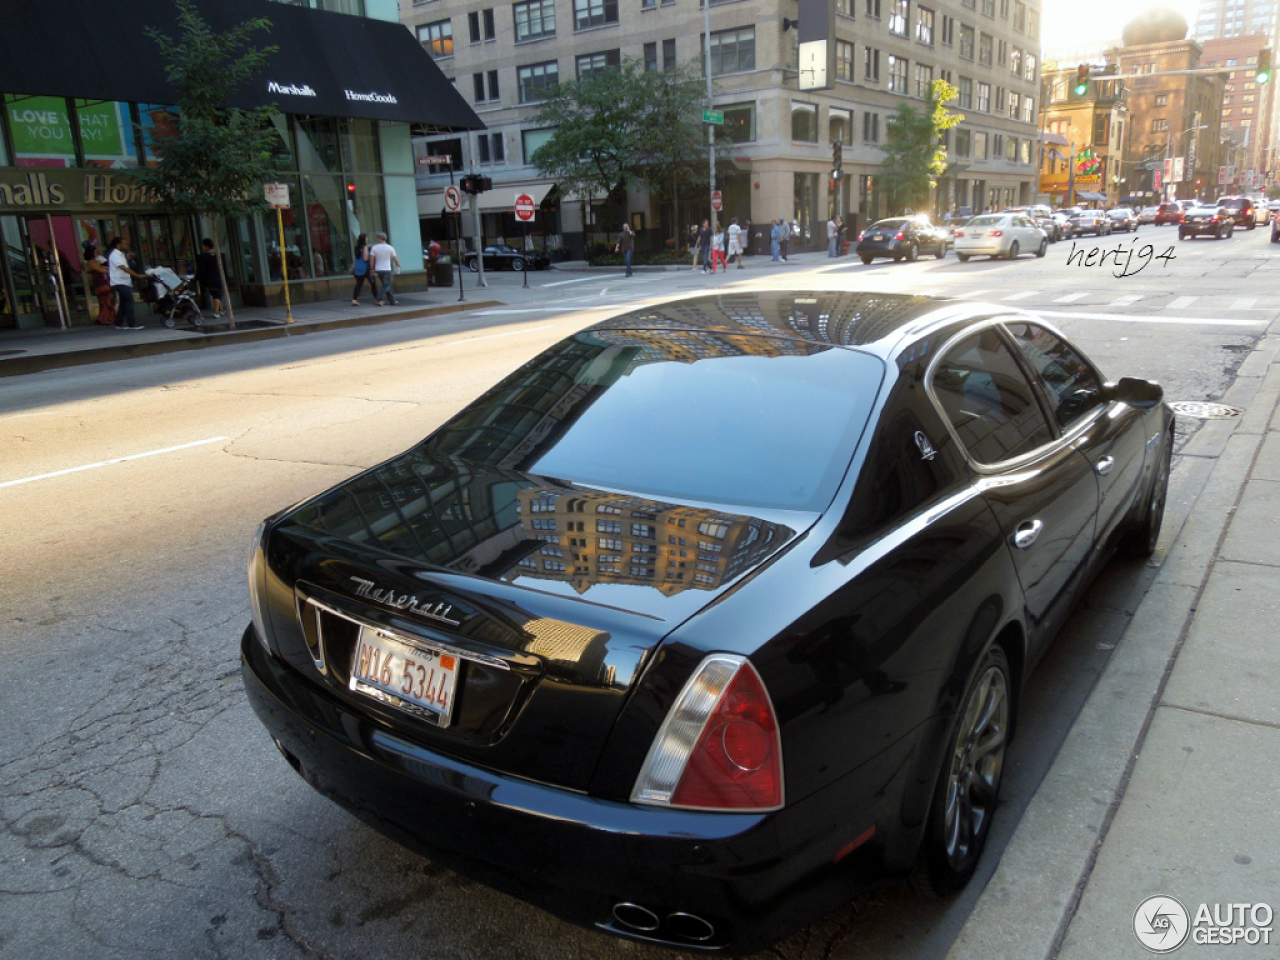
1000,235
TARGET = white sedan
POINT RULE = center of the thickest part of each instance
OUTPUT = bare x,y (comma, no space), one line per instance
1000,235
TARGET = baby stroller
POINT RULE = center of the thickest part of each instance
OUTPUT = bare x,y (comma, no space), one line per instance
173,297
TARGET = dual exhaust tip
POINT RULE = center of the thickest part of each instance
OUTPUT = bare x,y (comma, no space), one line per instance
678,926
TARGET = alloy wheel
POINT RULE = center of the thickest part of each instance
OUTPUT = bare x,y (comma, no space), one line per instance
977,761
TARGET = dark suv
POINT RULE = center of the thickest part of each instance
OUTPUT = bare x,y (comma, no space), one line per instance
1239,209
1168,213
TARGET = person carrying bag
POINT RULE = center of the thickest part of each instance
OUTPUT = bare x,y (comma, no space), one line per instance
360,270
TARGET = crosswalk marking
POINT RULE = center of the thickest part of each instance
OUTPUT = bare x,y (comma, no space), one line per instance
1024,295
1182,303
1244,303
1124,301
977,294
1070,298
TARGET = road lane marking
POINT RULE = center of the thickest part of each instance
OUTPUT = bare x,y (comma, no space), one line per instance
1182,303
1139,318
1024,295
975,294
561,283
107,463
1070,298
1125,300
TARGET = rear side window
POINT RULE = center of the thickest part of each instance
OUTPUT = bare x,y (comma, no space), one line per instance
988,400
1073,386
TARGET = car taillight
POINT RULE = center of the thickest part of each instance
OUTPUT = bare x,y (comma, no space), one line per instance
898,236
959,233
862,234
1214,218
719,747
996,233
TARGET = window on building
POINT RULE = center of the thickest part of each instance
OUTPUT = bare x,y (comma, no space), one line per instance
948,31
491,148
899,17
1029,67
594,13
871,127
1000,100
1011,149
739,123
669,54
988,8
1020,17
534,19
651,57
840,126
1002,52
873,9
966,93
924,81
984,97
733,51
804,122
871,64
480,25
1015,61
1015,106
1004,9
594,64
1159,124
1028,109
1024,151
844,60
963,145
537,78
531,140
979,145
437,38
997,145
897,74
1101,129
966,42
486,86
986,46
924,25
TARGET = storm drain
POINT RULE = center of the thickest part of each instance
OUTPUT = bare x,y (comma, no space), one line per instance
1204,410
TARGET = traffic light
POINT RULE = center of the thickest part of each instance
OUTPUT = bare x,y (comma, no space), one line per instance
1082,80
351,191
837,155
475,184
1264,67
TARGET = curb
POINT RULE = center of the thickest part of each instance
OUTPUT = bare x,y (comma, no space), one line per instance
36,363
1031,900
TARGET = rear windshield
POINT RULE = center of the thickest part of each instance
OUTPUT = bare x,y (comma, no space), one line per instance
751,421
888,224
984,221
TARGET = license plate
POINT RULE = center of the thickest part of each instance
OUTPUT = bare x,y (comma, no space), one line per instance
408,674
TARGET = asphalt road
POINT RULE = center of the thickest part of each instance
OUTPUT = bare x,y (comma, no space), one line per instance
143,811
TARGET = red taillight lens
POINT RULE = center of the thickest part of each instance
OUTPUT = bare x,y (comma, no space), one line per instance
861,234
719,747
898,236
959,233
997,233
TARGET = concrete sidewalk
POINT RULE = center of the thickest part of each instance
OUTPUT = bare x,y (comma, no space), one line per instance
1169,781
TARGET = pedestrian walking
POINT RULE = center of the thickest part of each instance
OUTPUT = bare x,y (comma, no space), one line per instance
775,241
360,270
784,239
841,248
833,234
208,276
627,244
122,276
717,249
734,241
99,283
694,244
704,245
385,263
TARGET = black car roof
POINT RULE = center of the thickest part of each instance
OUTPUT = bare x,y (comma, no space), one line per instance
872,322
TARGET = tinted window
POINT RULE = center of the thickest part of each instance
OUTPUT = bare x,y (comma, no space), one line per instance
1074,388
752,421
988,400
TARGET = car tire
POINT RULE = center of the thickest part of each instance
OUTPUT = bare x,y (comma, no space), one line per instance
1014,250
964,800
962,257
1182,235
942,252
1252,224
1141,540
913,253
473,266
867,260
1043,248
517,264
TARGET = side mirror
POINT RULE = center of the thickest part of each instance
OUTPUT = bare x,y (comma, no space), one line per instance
1142,394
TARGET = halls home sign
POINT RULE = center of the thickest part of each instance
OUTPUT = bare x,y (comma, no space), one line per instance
57,190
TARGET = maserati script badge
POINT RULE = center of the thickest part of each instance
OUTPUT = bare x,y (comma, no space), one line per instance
404,601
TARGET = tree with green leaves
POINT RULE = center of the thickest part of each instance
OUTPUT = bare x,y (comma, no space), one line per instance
220,157
622,127
914,155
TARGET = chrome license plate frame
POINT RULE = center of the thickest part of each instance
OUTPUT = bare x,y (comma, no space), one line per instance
406,673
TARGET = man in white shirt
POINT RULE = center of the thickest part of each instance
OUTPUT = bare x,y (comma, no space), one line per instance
121,275
833,231
383,257
735,242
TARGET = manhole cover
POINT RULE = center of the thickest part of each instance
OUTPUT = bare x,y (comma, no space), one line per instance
1203,410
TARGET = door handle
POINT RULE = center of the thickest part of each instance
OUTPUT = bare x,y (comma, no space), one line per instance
1105,465
1026,534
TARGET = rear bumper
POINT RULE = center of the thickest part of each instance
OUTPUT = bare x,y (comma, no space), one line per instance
750,877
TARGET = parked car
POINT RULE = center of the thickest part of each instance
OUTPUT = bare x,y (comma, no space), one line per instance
501,257
1206,222
1240,210
1273,210
1148,214
1275,229
1169,213
1093,222
902,238
1123,219
485,646
1000,235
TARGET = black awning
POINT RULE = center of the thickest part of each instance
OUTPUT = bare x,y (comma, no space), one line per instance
328,64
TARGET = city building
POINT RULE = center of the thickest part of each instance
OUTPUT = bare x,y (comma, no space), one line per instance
1093,128
1172,116
1248,114
1223,19
86,98
779,160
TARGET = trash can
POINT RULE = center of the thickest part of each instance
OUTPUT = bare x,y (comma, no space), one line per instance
441,272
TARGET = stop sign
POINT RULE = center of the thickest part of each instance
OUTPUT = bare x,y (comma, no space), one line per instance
524,207
717,202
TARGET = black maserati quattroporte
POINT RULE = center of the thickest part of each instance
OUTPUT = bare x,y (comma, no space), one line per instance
713,614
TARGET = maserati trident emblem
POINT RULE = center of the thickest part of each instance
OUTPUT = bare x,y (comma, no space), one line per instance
926,448
366,590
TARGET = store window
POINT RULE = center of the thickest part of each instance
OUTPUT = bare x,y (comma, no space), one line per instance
107,133
358,140
318,147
